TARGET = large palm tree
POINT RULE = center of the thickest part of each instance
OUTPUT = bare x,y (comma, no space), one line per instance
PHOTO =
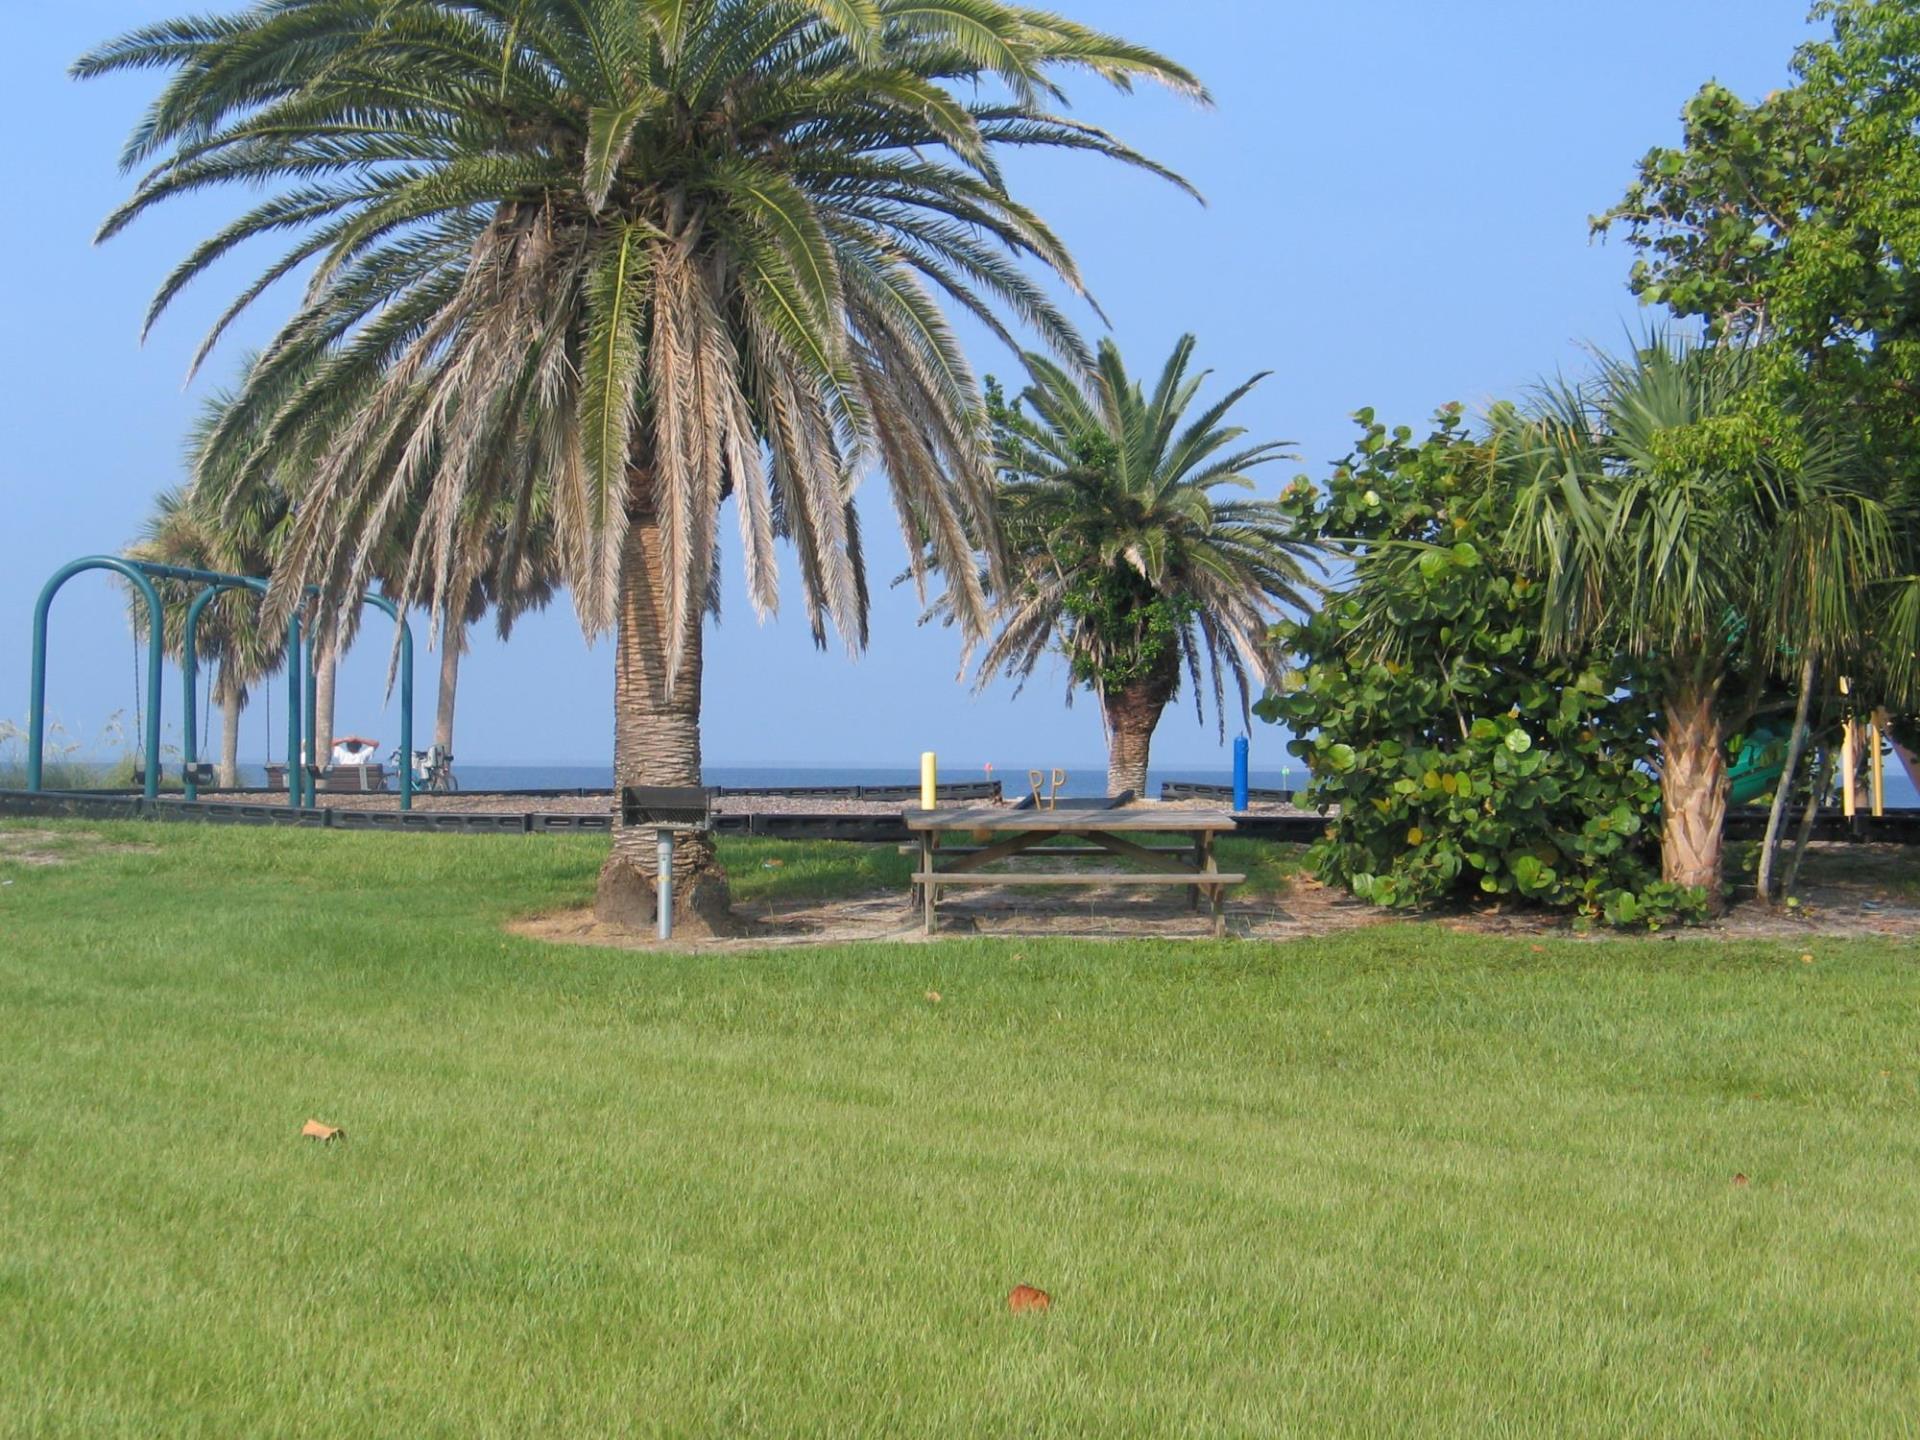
1124,554
650,252
1677,508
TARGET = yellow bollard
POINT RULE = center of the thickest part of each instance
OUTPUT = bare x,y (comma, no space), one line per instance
929,781
1876,769
1849,761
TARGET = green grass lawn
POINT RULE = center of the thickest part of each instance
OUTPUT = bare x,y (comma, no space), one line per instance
1404,1181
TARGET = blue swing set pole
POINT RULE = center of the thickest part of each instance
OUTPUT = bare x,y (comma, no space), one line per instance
190,664
216,583
381,602
37,701
392,611
190,673
296,786
311,760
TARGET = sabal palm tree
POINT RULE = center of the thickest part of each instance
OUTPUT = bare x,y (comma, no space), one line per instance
1124,554
513,569
653,253
1677,509
177,531
239,538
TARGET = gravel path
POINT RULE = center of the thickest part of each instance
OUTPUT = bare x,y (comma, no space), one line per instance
498,804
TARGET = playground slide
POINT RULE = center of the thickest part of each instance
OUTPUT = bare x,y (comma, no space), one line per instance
1756,771
1909,761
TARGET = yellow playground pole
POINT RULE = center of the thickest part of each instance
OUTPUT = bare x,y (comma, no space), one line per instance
1876,768
1849,761
929,781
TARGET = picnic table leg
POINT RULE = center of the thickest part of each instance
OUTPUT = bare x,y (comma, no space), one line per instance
929,847
1215,893
1199,863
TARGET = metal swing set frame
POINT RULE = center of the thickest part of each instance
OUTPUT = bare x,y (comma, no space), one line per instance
301,719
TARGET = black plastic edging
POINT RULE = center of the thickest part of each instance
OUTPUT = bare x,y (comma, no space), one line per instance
1900,827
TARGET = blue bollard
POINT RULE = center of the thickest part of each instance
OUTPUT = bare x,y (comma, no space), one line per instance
1240,772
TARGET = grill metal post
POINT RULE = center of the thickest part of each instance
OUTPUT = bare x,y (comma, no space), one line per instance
665,809
665,883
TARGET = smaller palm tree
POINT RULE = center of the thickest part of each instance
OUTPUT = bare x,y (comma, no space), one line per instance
1682,512
184,532
1123,553
511,567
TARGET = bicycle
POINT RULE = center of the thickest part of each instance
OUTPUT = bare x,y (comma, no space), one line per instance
432,771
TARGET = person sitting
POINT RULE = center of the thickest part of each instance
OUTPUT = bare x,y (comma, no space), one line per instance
352,750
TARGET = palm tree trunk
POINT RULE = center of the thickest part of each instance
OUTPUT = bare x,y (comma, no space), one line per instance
326,675
1693,792
1822,765
656,741
453,640
229,696
1782,792
1132,714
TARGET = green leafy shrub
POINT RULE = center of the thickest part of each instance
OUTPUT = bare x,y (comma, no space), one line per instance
1459,763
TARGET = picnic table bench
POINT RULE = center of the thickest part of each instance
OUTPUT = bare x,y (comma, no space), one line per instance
992,835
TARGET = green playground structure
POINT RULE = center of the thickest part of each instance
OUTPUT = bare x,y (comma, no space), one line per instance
1756,771
140,574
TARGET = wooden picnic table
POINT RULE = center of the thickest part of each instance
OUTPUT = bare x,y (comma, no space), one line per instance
993,834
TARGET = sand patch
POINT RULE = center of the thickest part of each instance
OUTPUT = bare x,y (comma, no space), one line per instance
41,847
1100,913
1858,892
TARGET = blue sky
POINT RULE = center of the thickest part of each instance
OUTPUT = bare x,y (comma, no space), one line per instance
1399,193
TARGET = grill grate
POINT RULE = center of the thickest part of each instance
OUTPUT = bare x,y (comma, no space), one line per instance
666,807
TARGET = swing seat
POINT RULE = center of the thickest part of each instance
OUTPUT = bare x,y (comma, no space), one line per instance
202,772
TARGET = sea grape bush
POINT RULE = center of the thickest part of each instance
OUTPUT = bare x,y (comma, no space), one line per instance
1459,762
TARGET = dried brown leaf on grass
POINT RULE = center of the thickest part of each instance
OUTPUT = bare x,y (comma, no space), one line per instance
1025,1300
